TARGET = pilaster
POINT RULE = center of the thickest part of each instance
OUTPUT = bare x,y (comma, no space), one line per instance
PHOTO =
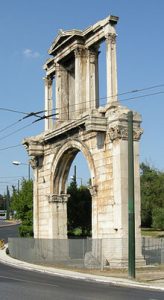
58,216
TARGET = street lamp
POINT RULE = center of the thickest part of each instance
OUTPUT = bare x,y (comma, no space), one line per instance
17,163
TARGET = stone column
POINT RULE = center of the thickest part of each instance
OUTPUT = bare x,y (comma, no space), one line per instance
48,102
34,165
80,80
92,80
93,192
111,66
62,93
58,208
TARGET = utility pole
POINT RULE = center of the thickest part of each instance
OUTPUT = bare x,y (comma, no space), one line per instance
75,174
7,202
131,208
29,176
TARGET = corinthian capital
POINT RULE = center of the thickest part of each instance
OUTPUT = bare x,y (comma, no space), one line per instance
121,132
111,37
34,162
118,132
80,52
48,80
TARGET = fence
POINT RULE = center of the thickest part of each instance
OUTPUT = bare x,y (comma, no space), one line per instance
79,253
153,250
83,253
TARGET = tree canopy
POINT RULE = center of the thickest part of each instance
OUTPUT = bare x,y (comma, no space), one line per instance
79,209
152,197
22,204
79,203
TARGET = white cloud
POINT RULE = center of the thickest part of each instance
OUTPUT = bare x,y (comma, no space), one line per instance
30,53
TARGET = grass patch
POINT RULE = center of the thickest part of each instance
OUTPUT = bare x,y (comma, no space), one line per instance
152,232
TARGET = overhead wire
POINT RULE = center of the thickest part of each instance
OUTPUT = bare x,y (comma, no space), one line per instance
10,147
9,126
116,95
141,96
36,114
39,118
19,129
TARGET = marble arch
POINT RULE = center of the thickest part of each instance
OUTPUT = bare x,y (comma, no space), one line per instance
74,122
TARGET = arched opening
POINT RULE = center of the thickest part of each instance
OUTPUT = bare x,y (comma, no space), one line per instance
79,204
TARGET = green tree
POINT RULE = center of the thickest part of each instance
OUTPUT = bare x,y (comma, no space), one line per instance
2,204
79,209
22,204
158,218
152,194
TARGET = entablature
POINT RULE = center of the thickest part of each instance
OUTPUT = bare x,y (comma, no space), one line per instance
67,41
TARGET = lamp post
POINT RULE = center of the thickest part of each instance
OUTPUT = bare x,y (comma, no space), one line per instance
81,179
17,163
75,177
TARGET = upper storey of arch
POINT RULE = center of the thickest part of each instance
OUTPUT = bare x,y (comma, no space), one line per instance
68,40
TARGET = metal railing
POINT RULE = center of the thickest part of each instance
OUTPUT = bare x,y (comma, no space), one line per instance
85,253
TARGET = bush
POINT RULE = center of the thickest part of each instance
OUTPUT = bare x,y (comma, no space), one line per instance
158,218
26,230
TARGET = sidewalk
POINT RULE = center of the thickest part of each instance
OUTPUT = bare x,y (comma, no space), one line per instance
146,278
7,223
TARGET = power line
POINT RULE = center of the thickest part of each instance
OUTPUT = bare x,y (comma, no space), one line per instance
28,114
116,95
36,114
12,110
9,126
9,147
11,177
141,96
40,118
2,138
43,117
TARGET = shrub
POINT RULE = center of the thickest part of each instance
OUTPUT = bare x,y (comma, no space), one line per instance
26,230
158,218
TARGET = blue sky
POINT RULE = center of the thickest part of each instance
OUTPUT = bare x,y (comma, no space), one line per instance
27,29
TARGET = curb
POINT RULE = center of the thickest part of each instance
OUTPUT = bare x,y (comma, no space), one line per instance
75,275
11,224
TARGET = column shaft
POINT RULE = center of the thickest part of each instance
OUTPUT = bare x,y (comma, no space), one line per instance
111,68
62,93
92,82
48,103
80,81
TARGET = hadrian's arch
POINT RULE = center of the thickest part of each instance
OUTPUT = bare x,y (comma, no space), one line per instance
75,121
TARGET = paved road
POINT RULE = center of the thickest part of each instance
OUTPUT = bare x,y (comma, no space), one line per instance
8,231
18,284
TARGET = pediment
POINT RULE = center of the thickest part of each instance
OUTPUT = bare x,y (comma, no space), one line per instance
62,37
87,37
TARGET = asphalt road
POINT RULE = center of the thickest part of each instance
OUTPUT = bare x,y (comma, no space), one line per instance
8,231
20,284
